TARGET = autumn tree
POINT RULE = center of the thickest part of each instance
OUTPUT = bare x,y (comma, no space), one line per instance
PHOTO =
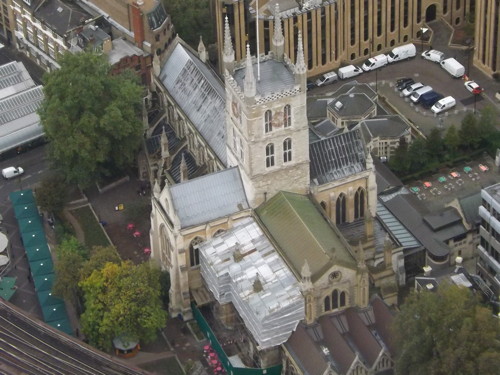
52,193
122,299
91,118
99,256
446,332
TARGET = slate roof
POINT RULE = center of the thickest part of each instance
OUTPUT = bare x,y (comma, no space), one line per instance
354,87
385,127
209,197
386,180
337,157
352,105
338,338
199,93
409,210
274,77
316,108
61,16
326,128
470,208
302,233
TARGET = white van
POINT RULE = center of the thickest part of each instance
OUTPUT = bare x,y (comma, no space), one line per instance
402,53
433,55
375,62
327,78
444,104
453,67
11,172
349,71
409,90
415,95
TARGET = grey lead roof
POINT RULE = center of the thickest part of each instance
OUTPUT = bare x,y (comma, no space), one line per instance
209,197
61,16
337,157
352,105
275,77
200,95
397,230
386,126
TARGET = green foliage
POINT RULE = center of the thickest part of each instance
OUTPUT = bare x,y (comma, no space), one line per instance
67,267
92,119
93,231
452,141
51,195
191,19
71,245
99,256
468,133
434,145
122,298
446,332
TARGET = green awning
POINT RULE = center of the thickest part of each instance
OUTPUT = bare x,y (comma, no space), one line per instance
37,252
7,287
54,312
30,224
46,298
44,282
22,197
62,325
28,210
42,267
34,239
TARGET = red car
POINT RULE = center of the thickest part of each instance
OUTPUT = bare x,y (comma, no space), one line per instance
473,87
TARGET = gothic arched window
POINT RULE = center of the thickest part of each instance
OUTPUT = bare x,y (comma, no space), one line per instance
194,253
287,150
359,203
327,303
268,121
287,116
270,155
340,209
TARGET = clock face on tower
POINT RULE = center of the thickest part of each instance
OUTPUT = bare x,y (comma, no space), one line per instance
235,108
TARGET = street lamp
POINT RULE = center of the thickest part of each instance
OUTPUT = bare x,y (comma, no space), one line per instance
423,30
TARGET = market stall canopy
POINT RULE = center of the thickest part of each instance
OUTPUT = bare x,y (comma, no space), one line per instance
4,241
7,287
27,210
30,224
37,252
22,197
42,267
54,312
4,259
44,282
34,239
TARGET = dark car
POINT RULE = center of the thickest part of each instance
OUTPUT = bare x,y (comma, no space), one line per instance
401,84
310,85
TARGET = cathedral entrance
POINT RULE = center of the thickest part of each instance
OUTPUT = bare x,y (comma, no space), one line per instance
430,13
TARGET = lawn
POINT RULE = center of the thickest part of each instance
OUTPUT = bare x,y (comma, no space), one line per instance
93,231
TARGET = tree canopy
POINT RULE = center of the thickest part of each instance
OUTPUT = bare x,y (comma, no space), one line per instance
91,118
122,299
52,194
446,332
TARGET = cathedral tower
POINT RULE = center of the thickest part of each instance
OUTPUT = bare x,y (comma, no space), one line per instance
267,130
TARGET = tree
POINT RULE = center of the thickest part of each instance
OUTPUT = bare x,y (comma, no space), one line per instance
51,195
452,141
192,18
71,255
122,299
468,133
488,133
91,118
99,256
417,155
399,161
446,332
434,145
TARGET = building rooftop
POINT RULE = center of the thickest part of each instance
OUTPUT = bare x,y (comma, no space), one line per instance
387,127
275,77
351,105
470,208
241,266
199,93
354,87
61,16
209,197
337,157
494,192
295,223
122,48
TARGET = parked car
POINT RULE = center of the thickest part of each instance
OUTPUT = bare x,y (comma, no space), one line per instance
310,85
327,78
429,99
433,55
416,94
473,87
11,172
403,83
444,104
415,86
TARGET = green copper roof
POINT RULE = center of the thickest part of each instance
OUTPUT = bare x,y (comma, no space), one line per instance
302,233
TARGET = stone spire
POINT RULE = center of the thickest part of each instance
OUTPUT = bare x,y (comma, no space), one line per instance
228,55
249,84
305,273
202,51
300,65
278,46
183,169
